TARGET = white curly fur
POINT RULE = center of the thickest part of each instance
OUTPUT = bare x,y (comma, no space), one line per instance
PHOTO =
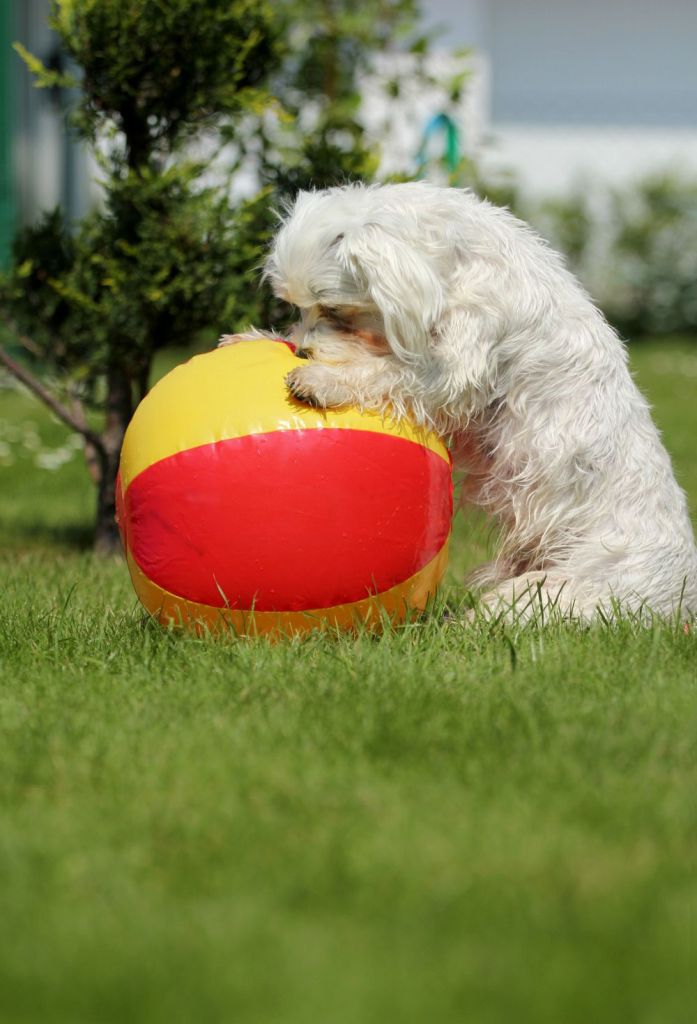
437,304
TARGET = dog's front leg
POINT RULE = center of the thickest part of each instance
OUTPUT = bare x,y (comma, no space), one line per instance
371,383
461,376
251,334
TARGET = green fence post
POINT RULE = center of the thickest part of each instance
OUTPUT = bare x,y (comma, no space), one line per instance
8,209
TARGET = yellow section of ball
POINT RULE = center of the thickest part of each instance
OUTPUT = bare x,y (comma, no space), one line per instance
231,392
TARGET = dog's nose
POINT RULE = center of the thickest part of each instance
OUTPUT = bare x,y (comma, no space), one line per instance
303,353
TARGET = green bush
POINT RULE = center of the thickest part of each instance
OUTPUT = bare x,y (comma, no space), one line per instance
655,257
636,250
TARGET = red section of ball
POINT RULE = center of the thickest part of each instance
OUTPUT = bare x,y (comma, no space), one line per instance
289,520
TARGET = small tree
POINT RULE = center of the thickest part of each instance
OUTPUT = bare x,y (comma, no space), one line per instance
164,257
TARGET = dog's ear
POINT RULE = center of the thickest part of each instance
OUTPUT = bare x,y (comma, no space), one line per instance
399,280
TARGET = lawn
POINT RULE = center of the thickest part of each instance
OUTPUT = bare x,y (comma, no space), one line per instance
441,824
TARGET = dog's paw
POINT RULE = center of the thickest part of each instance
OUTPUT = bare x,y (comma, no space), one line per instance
317,386
300,388
252,334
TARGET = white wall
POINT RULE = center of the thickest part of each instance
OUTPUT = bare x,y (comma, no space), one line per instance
583,90
593,62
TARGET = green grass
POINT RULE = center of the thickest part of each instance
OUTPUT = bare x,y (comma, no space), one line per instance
445,823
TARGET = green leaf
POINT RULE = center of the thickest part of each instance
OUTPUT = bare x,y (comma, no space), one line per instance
44,78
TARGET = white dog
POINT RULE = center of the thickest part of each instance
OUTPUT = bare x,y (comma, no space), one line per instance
430,302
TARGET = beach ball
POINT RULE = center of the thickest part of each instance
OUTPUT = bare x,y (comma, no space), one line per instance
242,509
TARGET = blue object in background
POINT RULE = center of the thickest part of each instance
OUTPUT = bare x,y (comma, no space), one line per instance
451,153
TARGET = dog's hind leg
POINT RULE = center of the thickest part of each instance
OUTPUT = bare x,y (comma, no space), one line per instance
533,597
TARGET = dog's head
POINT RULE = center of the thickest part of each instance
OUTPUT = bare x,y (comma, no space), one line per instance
360,260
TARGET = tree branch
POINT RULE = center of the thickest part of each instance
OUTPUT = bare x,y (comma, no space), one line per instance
34,385
92,456
25,341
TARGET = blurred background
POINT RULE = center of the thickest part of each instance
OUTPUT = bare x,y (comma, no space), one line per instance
581,93
565,92
582,114
144,148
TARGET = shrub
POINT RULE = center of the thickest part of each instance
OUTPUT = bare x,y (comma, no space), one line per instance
635,248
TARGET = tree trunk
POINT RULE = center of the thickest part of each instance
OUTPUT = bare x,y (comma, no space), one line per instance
119,408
